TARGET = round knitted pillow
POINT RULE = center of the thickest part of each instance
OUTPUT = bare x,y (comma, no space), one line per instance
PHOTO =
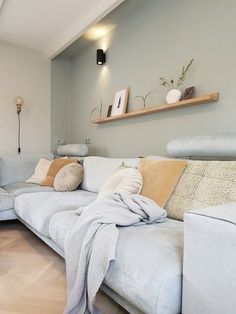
124,181
68,178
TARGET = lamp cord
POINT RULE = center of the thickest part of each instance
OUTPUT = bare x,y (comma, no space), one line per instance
19,148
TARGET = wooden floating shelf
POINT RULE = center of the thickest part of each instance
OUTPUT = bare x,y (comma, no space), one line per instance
180,104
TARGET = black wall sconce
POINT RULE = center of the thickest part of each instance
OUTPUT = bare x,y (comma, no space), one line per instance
101,57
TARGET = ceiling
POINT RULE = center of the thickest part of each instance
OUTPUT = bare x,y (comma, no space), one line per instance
50,25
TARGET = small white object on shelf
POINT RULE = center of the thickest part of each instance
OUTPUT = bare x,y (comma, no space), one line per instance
173,96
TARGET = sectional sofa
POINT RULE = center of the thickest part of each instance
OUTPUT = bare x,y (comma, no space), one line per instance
148,273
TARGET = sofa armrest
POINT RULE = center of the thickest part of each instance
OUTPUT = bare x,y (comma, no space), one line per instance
209,274
18,168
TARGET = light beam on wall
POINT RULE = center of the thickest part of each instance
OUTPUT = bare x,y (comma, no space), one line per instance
98,31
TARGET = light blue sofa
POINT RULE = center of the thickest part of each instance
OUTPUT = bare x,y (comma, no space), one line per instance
14,170
147,274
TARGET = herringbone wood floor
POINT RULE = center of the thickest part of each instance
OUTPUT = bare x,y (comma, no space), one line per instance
32,276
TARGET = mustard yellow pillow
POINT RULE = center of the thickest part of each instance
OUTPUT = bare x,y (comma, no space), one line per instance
160,178
54,168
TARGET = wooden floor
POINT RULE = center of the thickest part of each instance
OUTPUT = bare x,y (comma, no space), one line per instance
32,276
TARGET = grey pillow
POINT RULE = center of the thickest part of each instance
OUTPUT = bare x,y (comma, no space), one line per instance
69,177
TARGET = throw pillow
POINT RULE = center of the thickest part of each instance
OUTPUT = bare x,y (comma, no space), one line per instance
203,184
160,178
54,168
40,171
124,181
68,178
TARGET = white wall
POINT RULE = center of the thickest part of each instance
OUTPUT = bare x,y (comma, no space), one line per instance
24,72
157,40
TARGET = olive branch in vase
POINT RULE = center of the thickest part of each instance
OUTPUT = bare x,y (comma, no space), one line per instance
175,84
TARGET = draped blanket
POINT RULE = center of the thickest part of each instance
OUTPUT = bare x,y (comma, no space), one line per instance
91,245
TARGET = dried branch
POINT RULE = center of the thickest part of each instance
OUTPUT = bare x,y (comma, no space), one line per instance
97,108
101,106
144,98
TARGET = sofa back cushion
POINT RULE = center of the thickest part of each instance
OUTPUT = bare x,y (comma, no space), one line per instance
98,169
18,168
203,184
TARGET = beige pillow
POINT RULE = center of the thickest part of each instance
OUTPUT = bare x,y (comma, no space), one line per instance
160,178
40,171
55,166
68,178
124,181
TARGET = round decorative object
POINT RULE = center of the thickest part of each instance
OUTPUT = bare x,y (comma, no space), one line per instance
124,181
69,177
173,96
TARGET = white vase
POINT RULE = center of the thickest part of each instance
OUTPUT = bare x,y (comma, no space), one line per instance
173,95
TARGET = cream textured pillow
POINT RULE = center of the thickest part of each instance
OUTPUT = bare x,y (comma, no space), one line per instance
40,171
124,181
203,184
68,178
160,178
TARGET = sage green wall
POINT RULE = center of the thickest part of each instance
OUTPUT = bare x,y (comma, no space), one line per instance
60,101
24,72
157,39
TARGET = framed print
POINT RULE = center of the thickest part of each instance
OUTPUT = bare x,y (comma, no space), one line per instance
120,102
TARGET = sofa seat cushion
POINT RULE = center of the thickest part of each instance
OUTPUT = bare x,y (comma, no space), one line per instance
147,271
24,187
148,268
7,215
36,209
6,200
61,225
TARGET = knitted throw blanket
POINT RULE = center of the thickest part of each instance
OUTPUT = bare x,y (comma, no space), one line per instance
91,245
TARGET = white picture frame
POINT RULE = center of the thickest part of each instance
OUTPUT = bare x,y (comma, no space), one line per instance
120,102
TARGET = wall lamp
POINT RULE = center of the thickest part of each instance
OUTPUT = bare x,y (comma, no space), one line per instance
19,101
101,57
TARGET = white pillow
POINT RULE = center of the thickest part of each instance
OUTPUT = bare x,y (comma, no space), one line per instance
98,169
68,178
124,181
40,171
